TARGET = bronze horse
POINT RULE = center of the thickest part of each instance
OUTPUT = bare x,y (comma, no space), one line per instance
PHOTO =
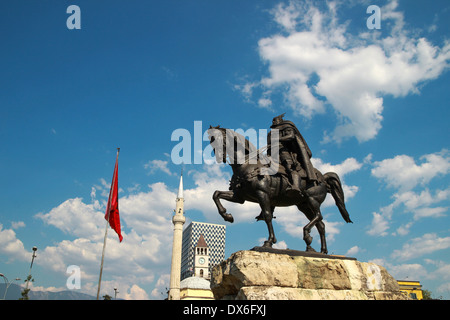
248,183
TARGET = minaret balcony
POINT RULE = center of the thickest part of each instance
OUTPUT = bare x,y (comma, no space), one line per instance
178,218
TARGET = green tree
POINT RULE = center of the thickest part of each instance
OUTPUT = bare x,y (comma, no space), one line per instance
426,295
24,292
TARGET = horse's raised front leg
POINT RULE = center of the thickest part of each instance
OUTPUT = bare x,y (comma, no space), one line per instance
229,196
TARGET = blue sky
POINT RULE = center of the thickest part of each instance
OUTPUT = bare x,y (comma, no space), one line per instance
372,105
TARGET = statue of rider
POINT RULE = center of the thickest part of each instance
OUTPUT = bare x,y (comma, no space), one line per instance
294,153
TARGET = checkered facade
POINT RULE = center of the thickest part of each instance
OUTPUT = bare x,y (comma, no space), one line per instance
214,235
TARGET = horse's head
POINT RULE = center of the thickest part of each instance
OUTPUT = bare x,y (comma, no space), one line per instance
227,142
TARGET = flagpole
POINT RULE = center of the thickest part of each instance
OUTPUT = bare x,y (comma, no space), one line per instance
103,257
106,229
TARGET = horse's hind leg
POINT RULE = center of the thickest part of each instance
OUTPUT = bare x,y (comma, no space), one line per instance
315,216
307,230
321,228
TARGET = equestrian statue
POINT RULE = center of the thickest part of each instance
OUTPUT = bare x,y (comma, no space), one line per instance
282,177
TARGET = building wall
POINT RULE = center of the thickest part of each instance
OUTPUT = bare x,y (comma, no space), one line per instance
214,235
196,294
412,289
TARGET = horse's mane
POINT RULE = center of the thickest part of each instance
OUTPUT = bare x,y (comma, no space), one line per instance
242,140
250,148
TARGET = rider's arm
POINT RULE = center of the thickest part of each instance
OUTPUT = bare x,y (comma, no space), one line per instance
288,135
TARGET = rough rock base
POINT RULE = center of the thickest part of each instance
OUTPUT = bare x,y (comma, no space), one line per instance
253,275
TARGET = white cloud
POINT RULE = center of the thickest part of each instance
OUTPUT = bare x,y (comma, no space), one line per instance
17,224
413,200
418,271
349,165
442,271
246,89
404,271
379,226
136,293
81,252
408,271
404,229
161,287
444,288
318,62
429,212
291,220
286,16
419,205
403,173
149,212
353,250
45,289
265,103
76,218
146,227
11,246
420,246
155,165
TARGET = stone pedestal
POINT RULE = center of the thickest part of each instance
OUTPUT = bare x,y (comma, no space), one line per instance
270,274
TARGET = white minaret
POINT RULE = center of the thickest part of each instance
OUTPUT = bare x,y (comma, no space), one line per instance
178,220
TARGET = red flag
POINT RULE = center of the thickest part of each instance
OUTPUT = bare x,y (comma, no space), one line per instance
112,208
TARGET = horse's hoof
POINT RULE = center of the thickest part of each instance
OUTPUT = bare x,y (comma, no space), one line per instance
229,217
267,244
310,249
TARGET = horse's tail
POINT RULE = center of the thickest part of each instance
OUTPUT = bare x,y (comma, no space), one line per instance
335,188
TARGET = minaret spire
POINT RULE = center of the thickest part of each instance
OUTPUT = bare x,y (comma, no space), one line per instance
178,220
180,187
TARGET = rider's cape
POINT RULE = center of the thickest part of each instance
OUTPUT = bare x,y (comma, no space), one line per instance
302,151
